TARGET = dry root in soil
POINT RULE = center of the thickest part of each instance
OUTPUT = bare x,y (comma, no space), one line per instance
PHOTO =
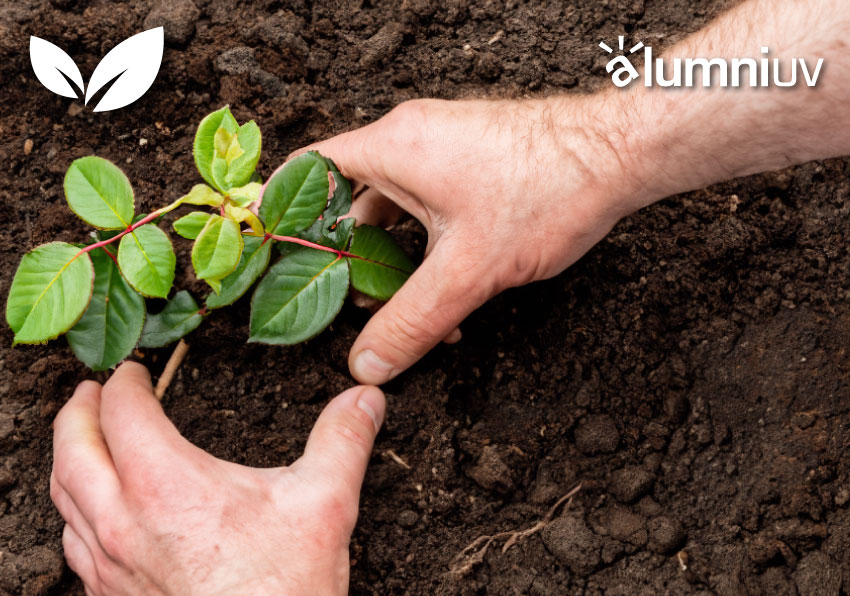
474,554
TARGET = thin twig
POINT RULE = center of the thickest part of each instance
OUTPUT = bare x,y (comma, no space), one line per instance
171,367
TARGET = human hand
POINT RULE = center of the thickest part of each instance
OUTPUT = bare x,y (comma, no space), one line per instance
510,192
149,513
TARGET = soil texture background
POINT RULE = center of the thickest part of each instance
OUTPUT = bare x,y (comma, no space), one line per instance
691,372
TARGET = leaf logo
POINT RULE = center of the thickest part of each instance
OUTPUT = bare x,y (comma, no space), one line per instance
133,64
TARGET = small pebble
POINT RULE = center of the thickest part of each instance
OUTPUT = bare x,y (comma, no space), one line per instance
407,518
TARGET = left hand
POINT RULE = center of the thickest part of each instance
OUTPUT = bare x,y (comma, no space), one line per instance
148,513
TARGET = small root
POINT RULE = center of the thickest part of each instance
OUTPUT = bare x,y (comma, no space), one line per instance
171,367
474,554
390,454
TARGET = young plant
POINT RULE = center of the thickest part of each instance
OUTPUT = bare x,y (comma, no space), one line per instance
94,293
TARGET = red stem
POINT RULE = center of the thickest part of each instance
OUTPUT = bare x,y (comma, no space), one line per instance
111,256
302,242
147,219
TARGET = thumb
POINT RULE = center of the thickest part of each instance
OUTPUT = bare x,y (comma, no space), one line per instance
134,425
427,308
340,443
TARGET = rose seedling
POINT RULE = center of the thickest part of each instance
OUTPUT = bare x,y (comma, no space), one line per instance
95,293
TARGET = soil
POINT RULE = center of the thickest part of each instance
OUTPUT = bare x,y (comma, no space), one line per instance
691,372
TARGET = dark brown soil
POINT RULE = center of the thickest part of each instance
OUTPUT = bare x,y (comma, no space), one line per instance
691,371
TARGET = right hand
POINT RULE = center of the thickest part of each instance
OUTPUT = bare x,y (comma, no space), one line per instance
509,191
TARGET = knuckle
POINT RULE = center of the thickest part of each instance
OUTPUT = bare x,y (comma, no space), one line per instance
413,111
112,539
337,510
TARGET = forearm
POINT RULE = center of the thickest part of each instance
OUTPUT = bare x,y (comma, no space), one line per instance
675,140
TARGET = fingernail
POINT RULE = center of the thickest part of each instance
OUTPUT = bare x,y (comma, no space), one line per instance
369,368
372,402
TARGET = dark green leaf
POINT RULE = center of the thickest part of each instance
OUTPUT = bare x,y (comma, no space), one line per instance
255,259
99,193
179,317
340,203
50,292
340,234
295,195
384,267
299,296
113,321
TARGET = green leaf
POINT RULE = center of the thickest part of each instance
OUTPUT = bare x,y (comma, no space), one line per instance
147,261
204,148
299,297
50,292
296,195
241,166
179,317
339,236
387,267
201,194
217,249
324,230
226,154
113,321
245,195
240,215
189,226
340,202
255,259
99,193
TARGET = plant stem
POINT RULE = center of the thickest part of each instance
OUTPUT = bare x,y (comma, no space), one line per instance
111,256
339,253
147,219
307,243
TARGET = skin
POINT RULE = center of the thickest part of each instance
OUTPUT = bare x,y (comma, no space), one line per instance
510,193
148,513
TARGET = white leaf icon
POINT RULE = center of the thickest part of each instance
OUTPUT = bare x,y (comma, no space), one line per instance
49,62
135,61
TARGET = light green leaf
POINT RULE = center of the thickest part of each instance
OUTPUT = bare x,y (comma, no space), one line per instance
226,154
179,317
217,250
255,259
299,297
245,195
147,261
99,193
385,268
241,164
113,321
50,292
189,226
242,215
201,194
296,195
204,148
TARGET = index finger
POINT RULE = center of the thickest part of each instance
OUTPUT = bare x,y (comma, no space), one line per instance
82,464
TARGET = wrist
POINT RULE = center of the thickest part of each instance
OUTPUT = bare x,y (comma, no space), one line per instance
597,131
